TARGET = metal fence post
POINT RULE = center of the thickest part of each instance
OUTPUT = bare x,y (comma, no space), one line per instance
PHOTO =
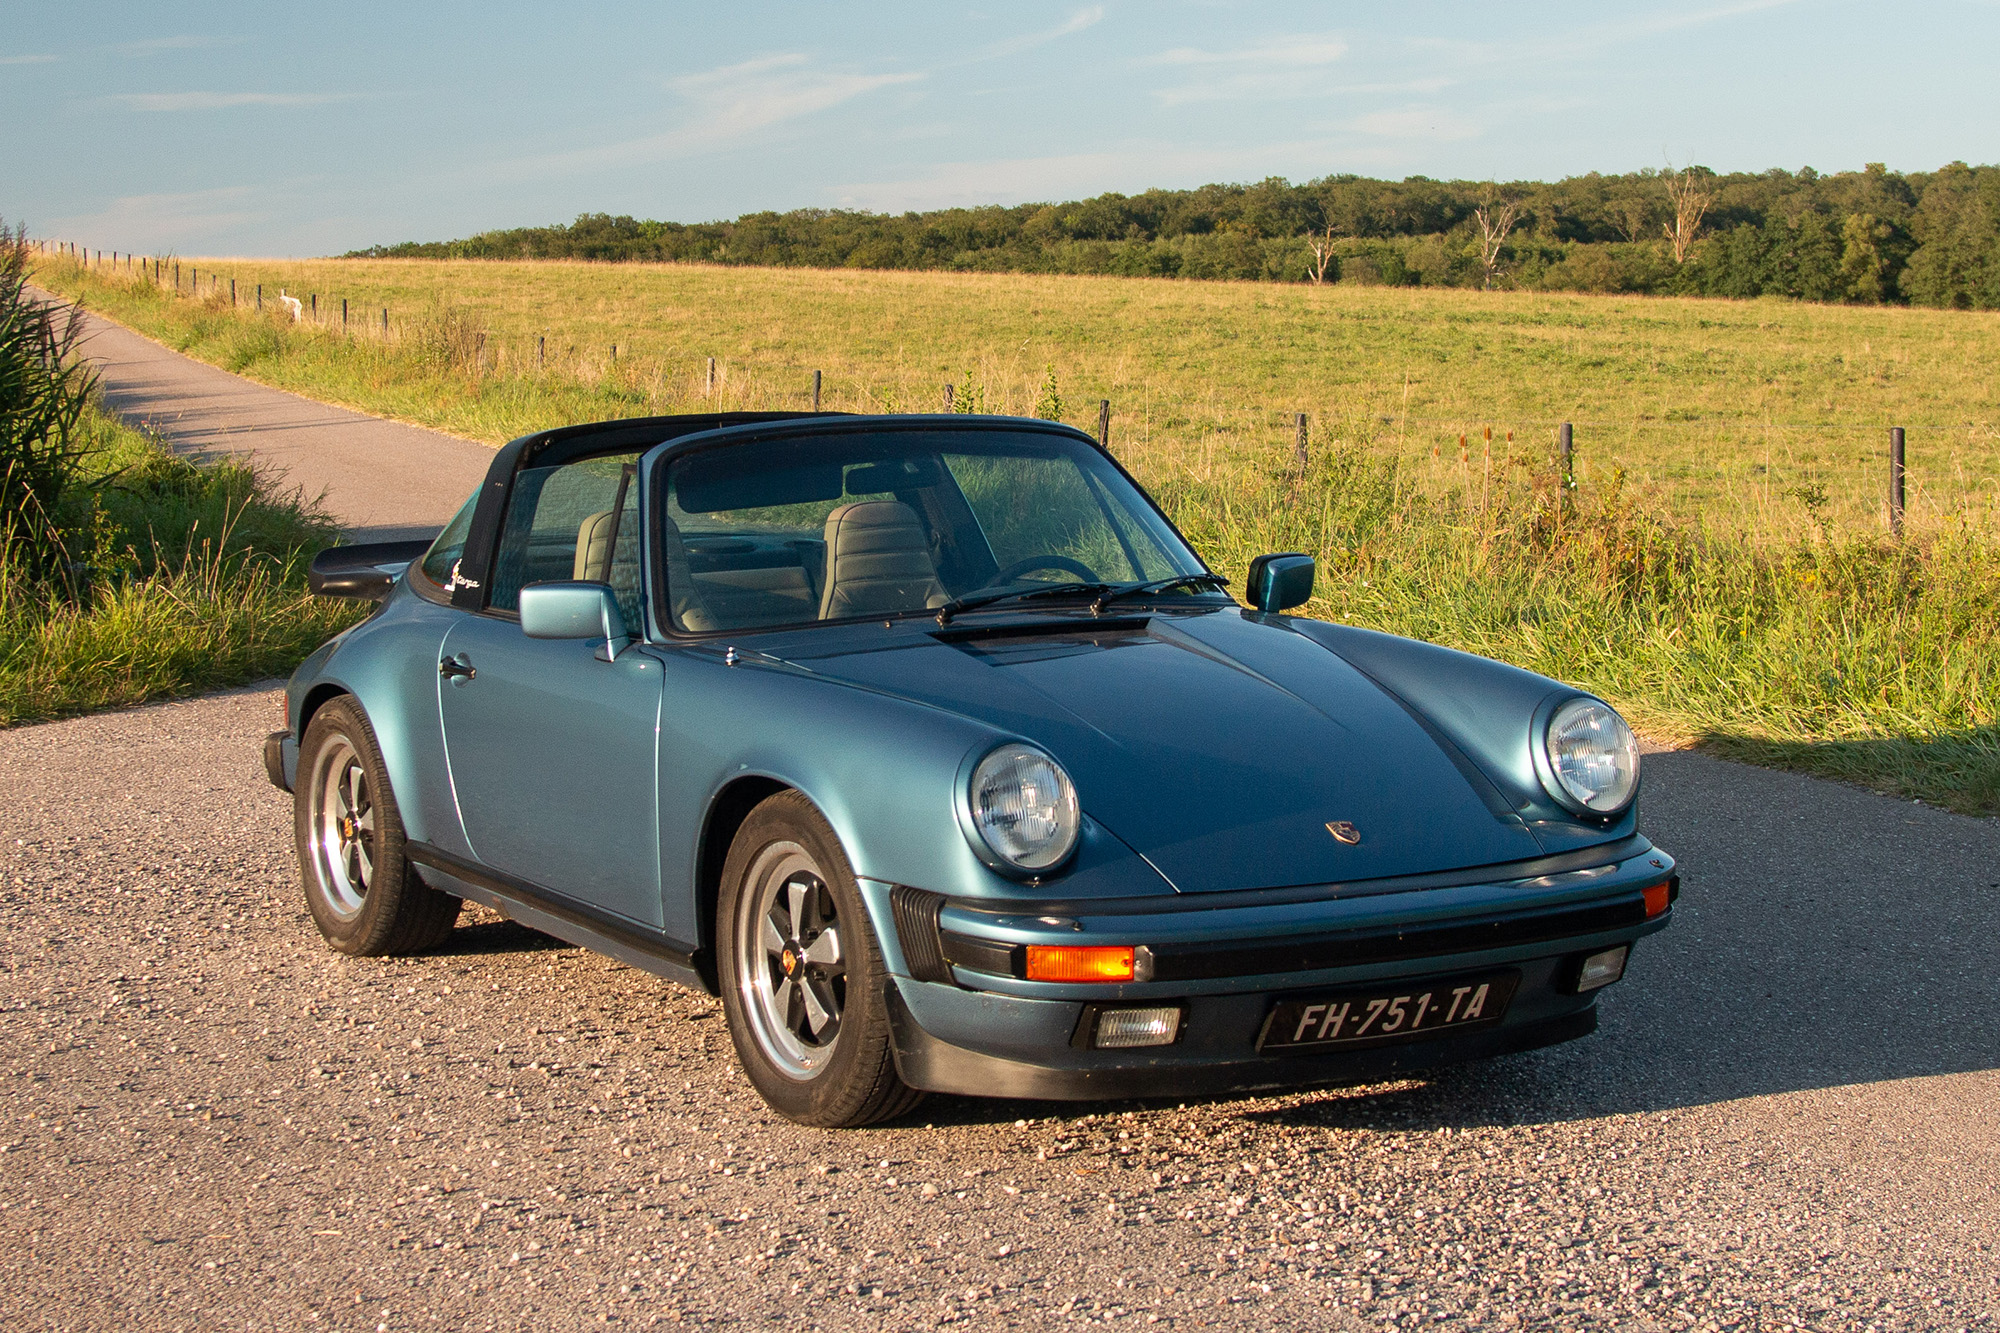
1895,481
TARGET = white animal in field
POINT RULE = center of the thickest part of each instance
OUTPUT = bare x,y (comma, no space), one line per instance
293,304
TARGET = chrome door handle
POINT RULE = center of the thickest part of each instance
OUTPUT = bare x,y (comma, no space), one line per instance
456,666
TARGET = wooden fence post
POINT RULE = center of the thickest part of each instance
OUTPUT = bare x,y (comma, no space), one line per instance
1104,423
947,397
343,314
1895,481
815,391
1565,446
540,349
709,392
385,321
1299,446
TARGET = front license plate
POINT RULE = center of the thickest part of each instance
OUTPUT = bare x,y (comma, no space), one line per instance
1368,1018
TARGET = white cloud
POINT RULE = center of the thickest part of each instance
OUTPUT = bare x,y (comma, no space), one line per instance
221,101
183,42
1013,46
1283,51
1282,67
726,106
157,223
1591,39
27,60
1418,122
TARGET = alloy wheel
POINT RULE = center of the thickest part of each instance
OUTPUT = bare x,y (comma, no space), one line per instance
790,962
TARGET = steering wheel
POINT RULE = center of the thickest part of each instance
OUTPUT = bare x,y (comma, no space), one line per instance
1013,572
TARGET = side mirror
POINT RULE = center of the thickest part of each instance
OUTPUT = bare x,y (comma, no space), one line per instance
1279,582
574,611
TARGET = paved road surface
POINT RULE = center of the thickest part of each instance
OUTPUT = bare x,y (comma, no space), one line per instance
1790,1118
382,480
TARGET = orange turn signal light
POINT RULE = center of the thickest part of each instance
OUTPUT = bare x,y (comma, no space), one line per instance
1657,898
1079,962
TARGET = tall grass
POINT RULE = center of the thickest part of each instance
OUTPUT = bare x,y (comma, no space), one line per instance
179,578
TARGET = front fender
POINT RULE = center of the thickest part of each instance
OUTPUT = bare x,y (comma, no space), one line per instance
1486,709
388,663
883,771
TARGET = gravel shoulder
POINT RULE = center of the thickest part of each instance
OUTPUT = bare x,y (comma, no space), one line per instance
209,1120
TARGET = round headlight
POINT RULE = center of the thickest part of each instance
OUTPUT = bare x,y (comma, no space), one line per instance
1024,808
1594,756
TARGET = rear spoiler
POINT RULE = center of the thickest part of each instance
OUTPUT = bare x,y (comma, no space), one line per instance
366,571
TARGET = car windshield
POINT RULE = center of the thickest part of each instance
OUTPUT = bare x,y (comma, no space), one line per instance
844,525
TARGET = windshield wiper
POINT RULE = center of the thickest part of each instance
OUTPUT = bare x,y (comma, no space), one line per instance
973,601
1191,581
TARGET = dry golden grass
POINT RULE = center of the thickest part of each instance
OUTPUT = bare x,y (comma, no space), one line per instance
1717,408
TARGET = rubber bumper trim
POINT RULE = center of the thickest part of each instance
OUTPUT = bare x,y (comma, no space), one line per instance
274,759
924,1061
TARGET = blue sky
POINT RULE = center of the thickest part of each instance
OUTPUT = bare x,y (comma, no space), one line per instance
209,127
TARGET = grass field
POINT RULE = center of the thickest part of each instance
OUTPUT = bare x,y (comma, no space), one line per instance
1719,570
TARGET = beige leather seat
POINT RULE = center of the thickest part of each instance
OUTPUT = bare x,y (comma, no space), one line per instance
594,537
877,561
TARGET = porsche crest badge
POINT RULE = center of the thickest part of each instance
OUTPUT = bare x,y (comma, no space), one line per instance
1343,831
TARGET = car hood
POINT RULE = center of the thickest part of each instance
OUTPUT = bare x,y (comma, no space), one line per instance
1218,745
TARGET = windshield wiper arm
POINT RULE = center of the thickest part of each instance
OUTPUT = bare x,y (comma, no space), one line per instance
973,601
1111,595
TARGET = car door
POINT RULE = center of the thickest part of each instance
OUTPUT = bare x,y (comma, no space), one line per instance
552,749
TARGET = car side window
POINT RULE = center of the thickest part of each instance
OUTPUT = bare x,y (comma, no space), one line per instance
439,562
573,521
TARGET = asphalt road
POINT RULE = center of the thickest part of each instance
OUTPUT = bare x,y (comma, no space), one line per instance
1790,1117
382,480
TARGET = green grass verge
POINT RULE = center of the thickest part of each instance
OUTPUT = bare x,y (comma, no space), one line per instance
188,578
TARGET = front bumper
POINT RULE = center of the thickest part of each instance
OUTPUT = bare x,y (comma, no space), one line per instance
967,1021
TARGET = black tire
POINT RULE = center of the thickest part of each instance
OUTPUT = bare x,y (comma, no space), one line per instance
802,978
364,895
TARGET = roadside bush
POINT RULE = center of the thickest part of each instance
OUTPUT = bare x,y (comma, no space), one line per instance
44,390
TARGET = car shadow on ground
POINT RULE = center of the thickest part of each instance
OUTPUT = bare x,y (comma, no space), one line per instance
1825,936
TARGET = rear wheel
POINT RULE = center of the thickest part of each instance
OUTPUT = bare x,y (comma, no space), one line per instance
802,979
364,895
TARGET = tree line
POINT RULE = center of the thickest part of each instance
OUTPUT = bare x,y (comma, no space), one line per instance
1869,236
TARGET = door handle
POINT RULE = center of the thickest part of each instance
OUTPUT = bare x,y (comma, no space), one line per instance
456,666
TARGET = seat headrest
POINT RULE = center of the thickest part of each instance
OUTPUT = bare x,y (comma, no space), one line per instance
878,559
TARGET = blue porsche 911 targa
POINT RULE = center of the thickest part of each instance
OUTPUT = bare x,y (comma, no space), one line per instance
931,746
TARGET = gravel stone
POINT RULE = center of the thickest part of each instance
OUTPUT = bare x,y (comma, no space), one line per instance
208,1120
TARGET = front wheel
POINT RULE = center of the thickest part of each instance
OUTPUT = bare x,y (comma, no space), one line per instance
364,895
802,979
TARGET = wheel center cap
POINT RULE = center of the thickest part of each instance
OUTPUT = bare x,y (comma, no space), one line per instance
790,961
347,828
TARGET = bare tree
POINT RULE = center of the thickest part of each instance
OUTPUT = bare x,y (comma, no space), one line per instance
1692,194
1497,220
1321,245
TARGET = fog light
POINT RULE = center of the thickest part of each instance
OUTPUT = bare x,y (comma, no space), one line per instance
1079,962
1119,1028
1601,969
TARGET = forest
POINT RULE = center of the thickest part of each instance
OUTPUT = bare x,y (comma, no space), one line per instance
1872,236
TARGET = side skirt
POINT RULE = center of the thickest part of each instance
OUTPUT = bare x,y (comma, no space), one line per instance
567,919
